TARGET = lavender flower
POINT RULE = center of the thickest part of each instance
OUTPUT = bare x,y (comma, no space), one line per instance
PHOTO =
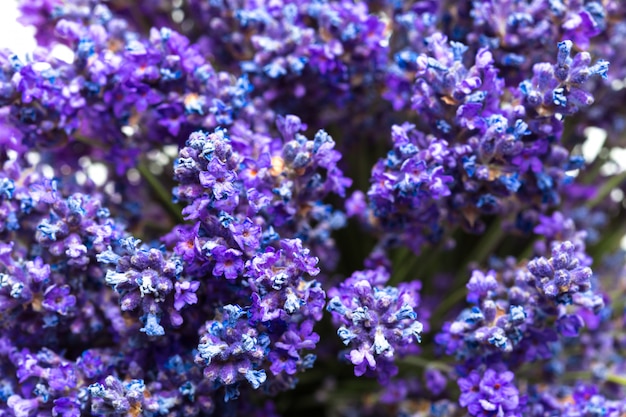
231,351
560,276
244,142
377,322
145,278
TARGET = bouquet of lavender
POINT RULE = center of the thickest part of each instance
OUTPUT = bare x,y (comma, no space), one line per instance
324,207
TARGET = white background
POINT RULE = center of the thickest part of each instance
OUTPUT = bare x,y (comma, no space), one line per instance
12,34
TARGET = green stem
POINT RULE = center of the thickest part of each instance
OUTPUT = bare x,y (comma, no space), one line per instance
423,269
586,375
609,242
425,363
618,298
140,18
164,195
90,142
450,301
528,251
400,257
155,225
616,379
606,189
488,242
590,174
404,267
577,376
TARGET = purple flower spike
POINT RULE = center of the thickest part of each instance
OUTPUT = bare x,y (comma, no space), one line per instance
560,276
148,277
378,323
117,397
480,285
221,133
559,88
231,350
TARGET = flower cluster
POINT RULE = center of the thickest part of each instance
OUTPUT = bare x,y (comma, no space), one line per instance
517,306
318,207
145,278
378,322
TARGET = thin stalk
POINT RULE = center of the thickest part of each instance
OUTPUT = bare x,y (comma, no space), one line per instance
606,189
404,267
164,195
425,363
616,379
488,242
423,270
407,265
577,375
527,251
590,174
610,242
140,18
450,301
91,142
586,375
618,298
400,257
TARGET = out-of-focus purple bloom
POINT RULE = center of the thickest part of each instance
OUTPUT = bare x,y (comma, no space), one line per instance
492,392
